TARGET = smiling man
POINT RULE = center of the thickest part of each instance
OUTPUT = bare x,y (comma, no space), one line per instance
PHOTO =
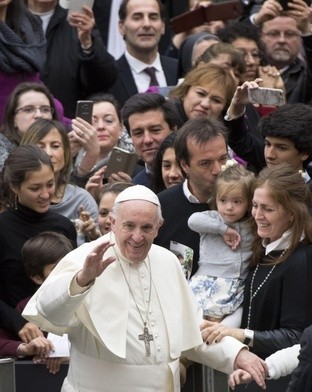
128,310
142,24
286,137
149,119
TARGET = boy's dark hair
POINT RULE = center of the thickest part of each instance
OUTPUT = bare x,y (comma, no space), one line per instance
292,122
43,249
238,30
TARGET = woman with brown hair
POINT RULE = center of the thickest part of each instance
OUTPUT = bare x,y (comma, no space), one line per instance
69,200
278,292
27,103
23,48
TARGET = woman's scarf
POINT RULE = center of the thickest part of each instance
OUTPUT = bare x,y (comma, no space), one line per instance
17,55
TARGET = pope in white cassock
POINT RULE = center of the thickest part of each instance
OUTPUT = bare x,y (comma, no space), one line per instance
128,310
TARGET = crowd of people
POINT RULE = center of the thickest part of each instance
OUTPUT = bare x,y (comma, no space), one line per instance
201,253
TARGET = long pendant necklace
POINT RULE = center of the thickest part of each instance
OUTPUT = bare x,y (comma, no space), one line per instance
145,336
253,294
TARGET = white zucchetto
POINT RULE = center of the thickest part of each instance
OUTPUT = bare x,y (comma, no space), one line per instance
137,192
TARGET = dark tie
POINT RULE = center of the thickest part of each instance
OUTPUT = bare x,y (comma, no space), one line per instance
151,71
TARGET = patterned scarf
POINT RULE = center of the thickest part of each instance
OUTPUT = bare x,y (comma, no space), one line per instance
18,56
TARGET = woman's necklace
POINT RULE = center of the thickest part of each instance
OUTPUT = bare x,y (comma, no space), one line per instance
253,294
145,336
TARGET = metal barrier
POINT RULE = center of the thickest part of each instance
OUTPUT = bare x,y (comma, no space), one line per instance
204,379
7,375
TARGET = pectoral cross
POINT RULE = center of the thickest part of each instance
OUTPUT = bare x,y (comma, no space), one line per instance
146,337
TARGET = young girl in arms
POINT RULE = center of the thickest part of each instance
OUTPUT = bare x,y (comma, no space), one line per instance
225,246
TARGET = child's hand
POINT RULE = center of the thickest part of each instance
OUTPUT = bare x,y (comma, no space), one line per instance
88,226
239,377
232,238
95,183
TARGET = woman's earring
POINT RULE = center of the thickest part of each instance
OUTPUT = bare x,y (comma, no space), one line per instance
15,201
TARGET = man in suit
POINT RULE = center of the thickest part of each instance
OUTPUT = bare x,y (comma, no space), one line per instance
142,24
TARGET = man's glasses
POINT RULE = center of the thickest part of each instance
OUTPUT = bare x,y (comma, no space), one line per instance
275,34
31,109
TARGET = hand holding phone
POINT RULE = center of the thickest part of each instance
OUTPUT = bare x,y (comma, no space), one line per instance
77,5
216,11
120,160
284,4
266,96
84,110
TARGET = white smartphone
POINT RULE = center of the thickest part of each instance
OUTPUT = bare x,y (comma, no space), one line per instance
266,96
77,5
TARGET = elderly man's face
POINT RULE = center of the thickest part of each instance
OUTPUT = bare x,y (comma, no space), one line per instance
282,40
135,227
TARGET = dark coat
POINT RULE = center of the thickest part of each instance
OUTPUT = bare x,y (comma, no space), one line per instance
301,380
69,72
125,85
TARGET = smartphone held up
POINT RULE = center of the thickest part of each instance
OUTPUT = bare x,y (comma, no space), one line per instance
120,160
84,110
77,5
266,96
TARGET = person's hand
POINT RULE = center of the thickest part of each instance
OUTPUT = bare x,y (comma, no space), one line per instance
94,184
84,22
40,347
88,226
94,264
74,144
271,78
240,98
214,332
29,332
301,12
238,377
269,10
253,365
54,364
119,177
86,135
232,238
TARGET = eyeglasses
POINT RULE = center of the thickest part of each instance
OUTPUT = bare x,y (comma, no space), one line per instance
291,35
31,109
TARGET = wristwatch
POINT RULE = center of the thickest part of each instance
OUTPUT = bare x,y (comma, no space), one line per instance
249,336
